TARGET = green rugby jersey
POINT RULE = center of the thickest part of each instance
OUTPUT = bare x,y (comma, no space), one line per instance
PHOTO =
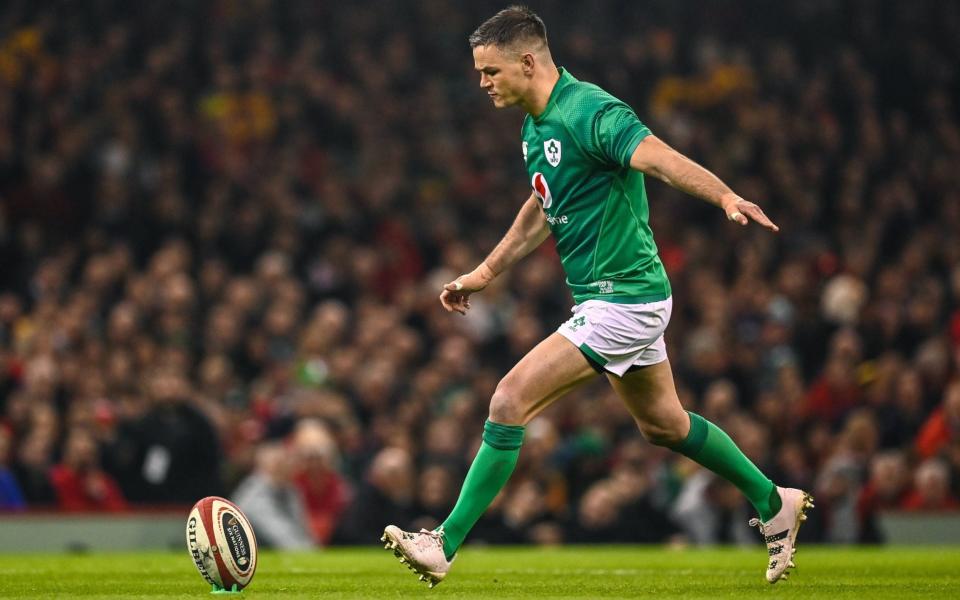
578,158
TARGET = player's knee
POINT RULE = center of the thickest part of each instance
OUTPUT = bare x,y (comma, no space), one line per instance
660,434
505,406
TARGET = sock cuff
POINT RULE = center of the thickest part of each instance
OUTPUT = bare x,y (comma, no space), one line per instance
503,437
695,439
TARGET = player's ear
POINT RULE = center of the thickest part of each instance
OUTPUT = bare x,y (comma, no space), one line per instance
526,63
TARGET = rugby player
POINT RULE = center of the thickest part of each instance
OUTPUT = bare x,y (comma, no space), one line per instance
586,154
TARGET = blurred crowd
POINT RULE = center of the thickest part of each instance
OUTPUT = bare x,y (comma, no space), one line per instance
224,226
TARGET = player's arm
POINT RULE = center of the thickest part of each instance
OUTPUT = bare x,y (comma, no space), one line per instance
528,231
656,158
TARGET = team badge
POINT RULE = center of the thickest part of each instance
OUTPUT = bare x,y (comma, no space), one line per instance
524,147
541,189
551,148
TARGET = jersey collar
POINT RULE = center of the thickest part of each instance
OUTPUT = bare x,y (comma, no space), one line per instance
565,79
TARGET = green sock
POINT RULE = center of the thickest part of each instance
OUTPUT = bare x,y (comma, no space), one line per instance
708,445
487,475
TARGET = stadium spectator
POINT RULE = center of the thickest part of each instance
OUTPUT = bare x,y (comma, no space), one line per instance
388,489
35,455
170,454
526,513
953,457
843,475
942,426
931,488
11,498
887,489
710,512
436,490
273,503
598,516
79,482
325,494
836,391
632,478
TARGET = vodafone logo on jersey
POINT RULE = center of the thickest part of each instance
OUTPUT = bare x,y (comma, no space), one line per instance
541,189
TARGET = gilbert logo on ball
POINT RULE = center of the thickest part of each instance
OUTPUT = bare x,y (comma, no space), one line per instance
222,544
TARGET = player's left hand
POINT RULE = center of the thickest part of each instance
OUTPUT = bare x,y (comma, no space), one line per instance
742,212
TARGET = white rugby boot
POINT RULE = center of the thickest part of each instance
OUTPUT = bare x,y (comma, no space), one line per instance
780,532
422,552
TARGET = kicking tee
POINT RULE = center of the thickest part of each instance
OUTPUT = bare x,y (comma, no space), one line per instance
577,154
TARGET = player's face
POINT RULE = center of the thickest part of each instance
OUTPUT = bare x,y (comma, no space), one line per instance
501,75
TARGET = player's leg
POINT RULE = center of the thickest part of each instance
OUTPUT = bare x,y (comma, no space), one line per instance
650,395
551,369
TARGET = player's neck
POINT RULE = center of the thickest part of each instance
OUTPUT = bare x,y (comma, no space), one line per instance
540,92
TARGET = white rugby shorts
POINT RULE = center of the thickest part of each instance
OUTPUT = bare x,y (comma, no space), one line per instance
619,336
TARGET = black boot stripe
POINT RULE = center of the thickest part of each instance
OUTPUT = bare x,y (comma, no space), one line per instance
777,536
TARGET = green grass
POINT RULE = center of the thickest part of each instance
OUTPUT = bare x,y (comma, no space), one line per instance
570,572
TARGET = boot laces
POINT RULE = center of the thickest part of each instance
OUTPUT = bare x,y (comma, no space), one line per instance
430,538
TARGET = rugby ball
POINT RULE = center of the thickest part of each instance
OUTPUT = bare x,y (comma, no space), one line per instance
221,543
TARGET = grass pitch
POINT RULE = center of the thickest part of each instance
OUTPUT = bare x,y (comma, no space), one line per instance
569,572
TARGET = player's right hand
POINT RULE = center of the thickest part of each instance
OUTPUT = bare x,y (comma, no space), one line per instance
741,211
455,296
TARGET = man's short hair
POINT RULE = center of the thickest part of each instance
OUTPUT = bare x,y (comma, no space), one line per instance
510,27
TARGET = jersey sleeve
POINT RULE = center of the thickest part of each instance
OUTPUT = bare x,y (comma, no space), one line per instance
617,132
